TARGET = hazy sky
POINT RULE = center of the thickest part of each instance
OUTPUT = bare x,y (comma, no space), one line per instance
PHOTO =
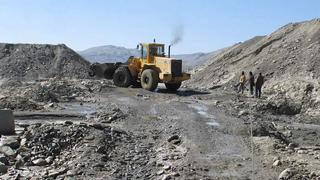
205,25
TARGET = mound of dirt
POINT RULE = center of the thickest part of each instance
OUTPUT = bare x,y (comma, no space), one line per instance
36,61
288,58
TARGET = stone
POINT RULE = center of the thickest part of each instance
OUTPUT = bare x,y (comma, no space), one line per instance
292,145
89,138
167,167
312,174
18,163
160,172
68,122
3,159
11,141
23,142
3,168
243,113
72,172
50,105
58,172
101,149
174,137
302,152
276,163
175,174
49,159
99,126
287,133
166,177
286,174
6,122
276,158
39,162
6,150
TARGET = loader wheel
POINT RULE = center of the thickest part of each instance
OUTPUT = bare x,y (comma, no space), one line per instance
109,71
122,77
173,87
92,70
91,73
149,79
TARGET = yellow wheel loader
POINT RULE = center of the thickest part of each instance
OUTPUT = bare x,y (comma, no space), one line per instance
151,68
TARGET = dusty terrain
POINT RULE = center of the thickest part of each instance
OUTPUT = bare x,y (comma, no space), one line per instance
71,127
103,132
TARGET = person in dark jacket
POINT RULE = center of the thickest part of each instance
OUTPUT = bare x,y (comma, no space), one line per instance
259,83
251,82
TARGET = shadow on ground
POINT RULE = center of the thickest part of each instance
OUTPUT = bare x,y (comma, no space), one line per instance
182,92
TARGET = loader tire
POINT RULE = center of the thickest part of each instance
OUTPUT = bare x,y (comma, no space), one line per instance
91,73
149,79
122,77
108,73
173,86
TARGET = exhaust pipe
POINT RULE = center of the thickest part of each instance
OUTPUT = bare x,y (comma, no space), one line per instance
169,51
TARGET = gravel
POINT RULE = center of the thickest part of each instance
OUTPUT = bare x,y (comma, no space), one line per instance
37,61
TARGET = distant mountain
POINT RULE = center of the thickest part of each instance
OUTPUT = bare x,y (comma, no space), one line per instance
191,61
109,53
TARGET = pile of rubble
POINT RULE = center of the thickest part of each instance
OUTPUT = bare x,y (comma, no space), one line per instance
18,103
36,95
36,61
289,159
54,91
77,150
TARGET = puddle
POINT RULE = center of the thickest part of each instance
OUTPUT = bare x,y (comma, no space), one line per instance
213,124
203,112
86,109
305,126
153,110
124,99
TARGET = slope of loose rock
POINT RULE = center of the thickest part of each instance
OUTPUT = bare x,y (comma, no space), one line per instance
34,61
289,59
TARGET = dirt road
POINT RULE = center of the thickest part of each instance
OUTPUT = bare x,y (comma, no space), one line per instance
213,144
130,133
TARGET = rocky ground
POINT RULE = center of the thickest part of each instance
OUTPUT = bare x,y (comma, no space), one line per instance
89,129
71,128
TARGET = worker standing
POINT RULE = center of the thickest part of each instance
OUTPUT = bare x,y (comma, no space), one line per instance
259,83
242,82
251,82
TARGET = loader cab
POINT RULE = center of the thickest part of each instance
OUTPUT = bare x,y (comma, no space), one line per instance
149,51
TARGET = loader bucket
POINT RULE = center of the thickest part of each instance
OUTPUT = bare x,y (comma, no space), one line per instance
105,70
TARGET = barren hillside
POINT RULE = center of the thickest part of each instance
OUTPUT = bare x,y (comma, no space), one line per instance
289,59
